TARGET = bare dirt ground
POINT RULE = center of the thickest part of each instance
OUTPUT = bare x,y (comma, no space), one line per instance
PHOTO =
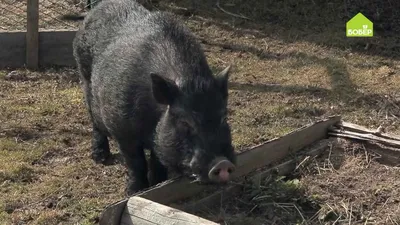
292,65
344,185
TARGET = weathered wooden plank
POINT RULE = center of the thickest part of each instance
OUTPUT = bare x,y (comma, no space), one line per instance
141,211
364,137
289,166
262,155
12,49
32,34
55,48
113,213
278,148
360,129
387,146
172,190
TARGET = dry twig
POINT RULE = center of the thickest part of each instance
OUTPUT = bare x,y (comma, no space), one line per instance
231,14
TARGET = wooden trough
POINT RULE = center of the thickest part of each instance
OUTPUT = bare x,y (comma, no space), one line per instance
161,204
140,207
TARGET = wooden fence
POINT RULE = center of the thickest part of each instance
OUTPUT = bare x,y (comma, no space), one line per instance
33,48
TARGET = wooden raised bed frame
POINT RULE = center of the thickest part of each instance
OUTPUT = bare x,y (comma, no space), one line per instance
174,190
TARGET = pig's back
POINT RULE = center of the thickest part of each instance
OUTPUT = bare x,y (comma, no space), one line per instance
121,76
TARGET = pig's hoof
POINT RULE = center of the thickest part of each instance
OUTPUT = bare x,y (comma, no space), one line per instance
130,192
156,180
134,187
100,157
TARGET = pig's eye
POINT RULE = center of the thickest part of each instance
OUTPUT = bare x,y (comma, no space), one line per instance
185,125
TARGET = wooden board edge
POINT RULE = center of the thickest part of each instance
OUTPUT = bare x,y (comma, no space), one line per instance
367,137
335,120
258,156
290,165
117,208
113,212
139,210
361,129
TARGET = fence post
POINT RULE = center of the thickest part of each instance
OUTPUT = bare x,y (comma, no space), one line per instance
32,34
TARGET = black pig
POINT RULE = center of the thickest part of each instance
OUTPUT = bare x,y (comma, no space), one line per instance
148,85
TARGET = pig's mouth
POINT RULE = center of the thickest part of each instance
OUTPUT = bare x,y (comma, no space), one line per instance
220,173
205,180
197,178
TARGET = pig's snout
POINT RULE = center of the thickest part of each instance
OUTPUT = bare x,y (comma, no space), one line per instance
221,171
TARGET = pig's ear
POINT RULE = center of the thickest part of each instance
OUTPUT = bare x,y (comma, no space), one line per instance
222,79
164,90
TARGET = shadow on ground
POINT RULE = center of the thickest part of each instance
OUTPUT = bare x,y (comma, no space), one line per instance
319,22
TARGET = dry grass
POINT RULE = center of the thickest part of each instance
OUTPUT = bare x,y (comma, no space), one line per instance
354,188
46,174
345,185
292,65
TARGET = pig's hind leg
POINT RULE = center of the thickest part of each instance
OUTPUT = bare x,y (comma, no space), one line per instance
100,144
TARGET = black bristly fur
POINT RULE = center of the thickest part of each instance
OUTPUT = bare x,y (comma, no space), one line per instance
147,84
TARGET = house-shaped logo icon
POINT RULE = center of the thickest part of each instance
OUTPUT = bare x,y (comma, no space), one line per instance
359,26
